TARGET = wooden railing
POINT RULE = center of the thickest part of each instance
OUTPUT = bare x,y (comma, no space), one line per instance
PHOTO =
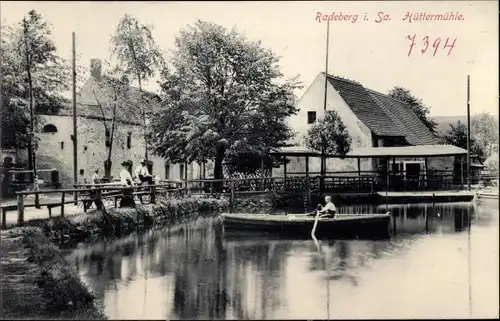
99,194
110,193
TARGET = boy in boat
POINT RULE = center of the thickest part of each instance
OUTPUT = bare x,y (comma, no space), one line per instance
327,211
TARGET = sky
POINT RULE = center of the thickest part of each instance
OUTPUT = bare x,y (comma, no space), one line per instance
370,52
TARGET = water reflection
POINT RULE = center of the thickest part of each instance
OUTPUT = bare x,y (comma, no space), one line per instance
192,271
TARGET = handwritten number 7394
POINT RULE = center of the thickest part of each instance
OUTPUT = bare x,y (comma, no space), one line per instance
433,45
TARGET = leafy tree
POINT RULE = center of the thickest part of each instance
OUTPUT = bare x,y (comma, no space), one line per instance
224,96
457,136
34,77
416,104
137,54
484,128
329,134
246,165
491,163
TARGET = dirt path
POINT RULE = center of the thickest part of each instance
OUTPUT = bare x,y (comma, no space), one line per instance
21,297
37,283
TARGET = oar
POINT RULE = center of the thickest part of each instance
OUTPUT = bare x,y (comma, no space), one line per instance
323,256
316,219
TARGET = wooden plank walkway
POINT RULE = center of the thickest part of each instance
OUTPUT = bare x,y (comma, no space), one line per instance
426,194
31,213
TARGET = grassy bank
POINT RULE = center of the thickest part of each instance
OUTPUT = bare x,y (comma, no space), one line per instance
36,281
122,221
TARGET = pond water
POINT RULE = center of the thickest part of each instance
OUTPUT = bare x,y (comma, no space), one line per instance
191,271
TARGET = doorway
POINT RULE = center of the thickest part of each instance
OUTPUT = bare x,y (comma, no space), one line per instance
413,170
412,174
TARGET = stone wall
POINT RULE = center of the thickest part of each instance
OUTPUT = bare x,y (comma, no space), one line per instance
55,150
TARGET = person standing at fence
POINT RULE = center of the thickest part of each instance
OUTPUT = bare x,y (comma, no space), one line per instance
95,178
126,180
125,177
142,173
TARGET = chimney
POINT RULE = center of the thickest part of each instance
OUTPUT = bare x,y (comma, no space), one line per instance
95,68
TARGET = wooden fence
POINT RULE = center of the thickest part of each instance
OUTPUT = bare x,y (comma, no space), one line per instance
111,193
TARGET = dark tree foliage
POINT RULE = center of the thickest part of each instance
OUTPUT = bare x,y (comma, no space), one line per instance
416,104
224,96
457,136
29,59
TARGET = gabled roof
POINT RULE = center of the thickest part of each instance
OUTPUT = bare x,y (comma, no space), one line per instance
415,131
382,114
362,104
128,107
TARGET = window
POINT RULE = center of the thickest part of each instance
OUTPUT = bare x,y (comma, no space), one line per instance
167,171
129,140
311,117
49,128
181,171
62,145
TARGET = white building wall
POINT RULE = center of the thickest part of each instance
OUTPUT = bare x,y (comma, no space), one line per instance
312,100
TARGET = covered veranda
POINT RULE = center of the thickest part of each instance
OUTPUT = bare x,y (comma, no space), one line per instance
404,168
407,167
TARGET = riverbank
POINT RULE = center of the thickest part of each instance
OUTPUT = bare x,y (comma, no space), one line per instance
36,281
117,222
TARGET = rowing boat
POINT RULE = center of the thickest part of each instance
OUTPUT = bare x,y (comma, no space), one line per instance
300,225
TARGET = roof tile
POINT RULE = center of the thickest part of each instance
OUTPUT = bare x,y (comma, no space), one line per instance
416,133
382,114
365,108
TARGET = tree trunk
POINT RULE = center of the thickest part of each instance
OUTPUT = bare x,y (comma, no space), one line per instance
218,174
30,161
108,163
143,120
107,167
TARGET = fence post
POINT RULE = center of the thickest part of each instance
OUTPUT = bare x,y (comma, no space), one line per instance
393,222
20,209
63,196
98,199
4,218
232,193
153,194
